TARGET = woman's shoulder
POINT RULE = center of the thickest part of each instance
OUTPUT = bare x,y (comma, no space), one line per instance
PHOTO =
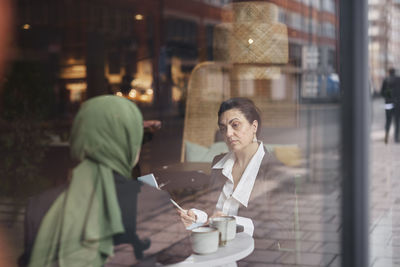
270,165
269,159
217,158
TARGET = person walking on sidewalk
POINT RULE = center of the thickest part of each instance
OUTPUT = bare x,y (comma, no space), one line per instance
390,90
396,104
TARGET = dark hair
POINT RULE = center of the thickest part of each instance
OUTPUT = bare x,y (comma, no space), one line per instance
246,106
392,71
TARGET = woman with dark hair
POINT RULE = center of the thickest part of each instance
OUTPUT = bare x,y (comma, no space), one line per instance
249,181
243,171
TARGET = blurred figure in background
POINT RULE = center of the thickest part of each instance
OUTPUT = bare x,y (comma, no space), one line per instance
390,91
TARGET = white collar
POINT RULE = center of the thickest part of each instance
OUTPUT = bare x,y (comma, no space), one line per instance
243,189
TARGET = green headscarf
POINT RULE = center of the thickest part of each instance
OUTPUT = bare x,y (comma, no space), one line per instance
78,228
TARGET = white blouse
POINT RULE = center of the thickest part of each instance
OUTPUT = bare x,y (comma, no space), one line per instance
230,200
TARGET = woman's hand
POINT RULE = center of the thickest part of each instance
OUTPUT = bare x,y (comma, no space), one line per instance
152,125
187,217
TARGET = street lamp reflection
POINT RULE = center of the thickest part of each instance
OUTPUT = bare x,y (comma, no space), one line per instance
139,95
139,17
132,93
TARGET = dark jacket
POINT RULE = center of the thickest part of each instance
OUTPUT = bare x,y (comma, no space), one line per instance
37,207
390,89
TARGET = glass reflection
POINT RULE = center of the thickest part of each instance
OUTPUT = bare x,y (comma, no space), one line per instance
178,61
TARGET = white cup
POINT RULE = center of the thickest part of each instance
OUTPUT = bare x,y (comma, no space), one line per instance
226,226
204,240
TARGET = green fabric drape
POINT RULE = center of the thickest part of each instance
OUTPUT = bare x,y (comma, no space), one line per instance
77,230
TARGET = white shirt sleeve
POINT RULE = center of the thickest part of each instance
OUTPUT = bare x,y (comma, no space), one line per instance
201,216
201,219
247,223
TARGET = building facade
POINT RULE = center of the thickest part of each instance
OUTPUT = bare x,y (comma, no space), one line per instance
384,39
146,50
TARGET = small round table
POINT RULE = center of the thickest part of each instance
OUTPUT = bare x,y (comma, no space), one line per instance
237,249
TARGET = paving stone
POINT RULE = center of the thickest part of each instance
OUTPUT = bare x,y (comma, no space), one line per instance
309,246
152,225
268,265
336,262
167,217
243,264
171,237
277,215
386,262
285,235
383,251
314,218
322,237
273,224
263,243
306,209
307,259
303,201
262,233
320,227
336,219
300,245
250,213
123,256
396,242
156,247
328,248
176,228
382,230
264,256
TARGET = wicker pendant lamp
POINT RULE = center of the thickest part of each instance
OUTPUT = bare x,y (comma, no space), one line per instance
255,42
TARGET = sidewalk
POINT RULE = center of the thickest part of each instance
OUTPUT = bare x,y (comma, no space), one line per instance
319,221
319,214
319,231
385,204
319,199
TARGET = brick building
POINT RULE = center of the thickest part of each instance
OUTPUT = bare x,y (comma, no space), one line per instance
147,49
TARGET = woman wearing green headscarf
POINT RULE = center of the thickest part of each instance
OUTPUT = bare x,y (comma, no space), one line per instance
79,227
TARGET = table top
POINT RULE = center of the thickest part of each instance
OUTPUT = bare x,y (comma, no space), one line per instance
204,167
237,249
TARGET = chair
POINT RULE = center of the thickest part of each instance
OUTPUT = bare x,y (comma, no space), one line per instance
210,84
250,51
208,87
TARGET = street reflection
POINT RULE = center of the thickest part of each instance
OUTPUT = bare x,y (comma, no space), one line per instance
178,61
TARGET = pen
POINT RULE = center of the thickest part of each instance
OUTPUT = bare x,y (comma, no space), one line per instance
176,205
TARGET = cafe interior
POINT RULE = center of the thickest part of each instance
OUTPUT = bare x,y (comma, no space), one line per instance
178,61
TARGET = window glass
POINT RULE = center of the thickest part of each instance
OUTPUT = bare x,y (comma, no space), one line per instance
270,157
